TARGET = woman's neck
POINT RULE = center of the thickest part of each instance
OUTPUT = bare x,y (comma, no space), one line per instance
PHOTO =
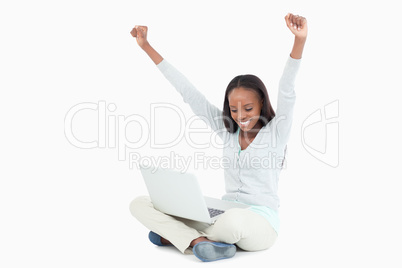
252,133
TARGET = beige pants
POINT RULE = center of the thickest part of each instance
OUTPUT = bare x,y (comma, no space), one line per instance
248,230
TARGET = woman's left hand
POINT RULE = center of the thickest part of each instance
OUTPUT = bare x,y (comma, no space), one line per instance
297,25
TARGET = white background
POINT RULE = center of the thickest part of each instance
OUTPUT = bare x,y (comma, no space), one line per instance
62,206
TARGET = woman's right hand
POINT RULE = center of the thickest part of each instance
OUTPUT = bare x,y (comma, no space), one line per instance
140,33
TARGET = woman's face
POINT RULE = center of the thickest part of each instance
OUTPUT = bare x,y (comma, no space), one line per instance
245,108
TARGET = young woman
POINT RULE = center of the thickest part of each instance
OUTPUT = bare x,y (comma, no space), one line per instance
255,140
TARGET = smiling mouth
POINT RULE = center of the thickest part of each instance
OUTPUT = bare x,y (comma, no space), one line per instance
244,123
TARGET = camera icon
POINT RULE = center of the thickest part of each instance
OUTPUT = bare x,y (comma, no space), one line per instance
320,134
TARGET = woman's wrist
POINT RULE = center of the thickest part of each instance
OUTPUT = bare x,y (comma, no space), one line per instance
146,47
300,39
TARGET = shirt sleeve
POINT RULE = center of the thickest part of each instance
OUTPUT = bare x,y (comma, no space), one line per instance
286,100
209,113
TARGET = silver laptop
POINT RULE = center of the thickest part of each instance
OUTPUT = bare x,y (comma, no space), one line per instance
179,194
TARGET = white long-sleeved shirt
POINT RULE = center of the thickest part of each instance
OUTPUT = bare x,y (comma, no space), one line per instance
252,174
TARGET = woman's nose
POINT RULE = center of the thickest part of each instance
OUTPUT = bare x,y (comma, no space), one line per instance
241,116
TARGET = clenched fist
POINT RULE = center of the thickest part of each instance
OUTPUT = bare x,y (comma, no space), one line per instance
140,33
297,25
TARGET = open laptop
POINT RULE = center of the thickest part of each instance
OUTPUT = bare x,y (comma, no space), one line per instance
179,194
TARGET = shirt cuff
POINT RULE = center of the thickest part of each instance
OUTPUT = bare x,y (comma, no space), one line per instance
292,65
163,65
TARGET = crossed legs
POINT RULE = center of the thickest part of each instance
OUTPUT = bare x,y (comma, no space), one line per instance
248,230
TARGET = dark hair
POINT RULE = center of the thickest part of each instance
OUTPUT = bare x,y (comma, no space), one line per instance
255,84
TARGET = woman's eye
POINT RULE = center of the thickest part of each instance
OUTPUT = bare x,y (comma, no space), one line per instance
249,109
233,111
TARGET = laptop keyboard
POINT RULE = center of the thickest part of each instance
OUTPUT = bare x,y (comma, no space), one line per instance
214,212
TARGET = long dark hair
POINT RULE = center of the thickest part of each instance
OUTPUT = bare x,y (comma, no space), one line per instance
250,82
